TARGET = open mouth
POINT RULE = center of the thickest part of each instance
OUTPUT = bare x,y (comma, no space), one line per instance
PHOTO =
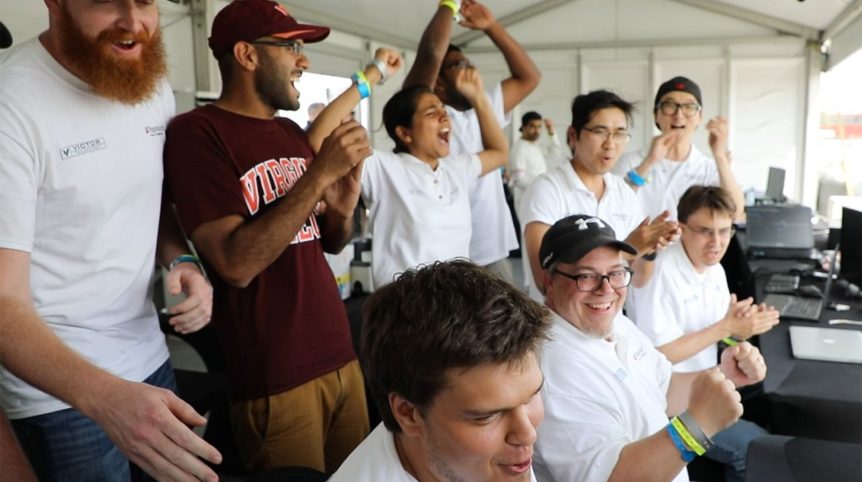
294,78
675,126
600,307
443,136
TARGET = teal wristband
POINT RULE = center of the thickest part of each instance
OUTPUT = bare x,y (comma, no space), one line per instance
686,454
636,178
186,258
361,83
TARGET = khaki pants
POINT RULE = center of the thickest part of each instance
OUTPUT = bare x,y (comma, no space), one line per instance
314,425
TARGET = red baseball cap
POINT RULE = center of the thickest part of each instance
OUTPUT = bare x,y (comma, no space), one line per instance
247,20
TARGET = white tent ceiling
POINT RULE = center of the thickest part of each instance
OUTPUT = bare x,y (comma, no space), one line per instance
572,23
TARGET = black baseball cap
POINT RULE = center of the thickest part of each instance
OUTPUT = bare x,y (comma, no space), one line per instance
5,37
681,84
572,237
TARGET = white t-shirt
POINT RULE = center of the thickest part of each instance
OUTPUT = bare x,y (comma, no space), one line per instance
376,460
599,396
493,229
670,179
529,159
560,192
418,215
678,300
81,181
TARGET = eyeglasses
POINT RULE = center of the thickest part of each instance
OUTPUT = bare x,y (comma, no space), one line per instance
723,233
589,282
461,64
669,108
619,137
294,46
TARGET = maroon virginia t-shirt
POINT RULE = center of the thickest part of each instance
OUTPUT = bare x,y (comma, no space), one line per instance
289,325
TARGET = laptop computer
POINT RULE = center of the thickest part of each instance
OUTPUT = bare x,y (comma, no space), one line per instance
826,344
800,307
775,185
779,231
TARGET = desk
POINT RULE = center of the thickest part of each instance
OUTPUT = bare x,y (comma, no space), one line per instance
776,457
816,399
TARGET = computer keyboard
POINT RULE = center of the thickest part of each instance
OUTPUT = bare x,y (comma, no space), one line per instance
795,307
782,283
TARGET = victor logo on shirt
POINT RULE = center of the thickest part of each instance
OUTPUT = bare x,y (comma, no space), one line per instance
270,180
85,147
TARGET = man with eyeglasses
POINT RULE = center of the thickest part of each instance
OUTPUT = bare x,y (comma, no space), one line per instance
248,186
608,392
672,163
598,135
436,66
686,309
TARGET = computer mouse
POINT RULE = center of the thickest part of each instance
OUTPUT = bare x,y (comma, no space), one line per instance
809,291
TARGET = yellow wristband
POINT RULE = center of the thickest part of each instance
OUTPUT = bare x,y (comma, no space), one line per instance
452,6
686,436
730,341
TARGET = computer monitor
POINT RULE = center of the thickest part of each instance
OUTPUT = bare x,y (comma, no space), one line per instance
851,245
775,184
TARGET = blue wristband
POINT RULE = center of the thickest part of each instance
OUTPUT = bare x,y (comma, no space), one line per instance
186,258
686,454
636,178
361,84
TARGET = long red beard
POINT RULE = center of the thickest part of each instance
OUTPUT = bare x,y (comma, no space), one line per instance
126,81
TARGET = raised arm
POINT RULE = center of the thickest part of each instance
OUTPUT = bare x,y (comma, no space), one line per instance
717,129
525,75
431,50
334,113
148,424
496,152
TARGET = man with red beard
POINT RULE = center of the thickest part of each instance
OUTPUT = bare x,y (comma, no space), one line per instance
83,112
248,187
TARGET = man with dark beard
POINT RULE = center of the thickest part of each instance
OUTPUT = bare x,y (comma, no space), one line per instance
83,112
248,187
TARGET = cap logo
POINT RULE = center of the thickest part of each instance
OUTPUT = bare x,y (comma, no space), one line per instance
282,10
582,224
680,86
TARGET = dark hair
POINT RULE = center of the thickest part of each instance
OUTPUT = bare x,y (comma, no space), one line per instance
451,314
714,198
586,105
529,117
399,110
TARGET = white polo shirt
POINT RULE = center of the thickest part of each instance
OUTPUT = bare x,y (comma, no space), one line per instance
418,214
493,229
679,300
560,192
599,396
669,179
375,460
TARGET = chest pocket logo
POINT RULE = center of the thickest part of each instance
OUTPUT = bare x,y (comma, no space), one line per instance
81,148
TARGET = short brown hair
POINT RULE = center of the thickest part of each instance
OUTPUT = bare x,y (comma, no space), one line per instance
451,314
714,198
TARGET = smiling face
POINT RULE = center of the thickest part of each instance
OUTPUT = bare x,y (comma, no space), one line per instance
276,64
591,312
705,237
595,152
427,138
115,47
678,120
482,426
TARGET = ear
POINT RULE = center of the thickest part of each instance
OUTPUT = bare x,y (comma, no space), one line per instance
403,134
406,414
572,137
246,56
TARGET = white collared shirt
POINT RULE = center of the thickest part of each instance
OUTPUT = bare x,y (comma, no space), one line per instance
560,192
599,396
678,300
418,214
668,179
